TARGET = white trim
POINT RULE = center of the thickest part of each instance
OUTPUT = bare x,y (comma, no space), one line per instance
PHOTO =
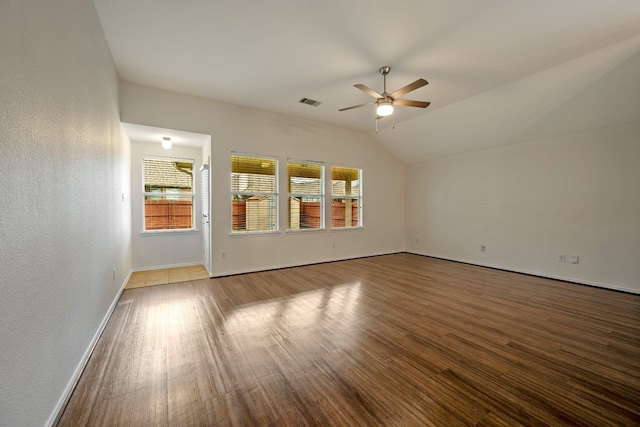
534,273
160,267
71,385
254,233
168,231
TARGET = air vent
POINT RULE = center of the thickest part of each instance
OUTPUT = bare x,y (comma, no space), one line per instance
311,102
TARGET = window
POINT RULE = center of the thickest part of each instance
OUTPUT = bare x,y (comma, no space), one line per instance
306,195
168,194
346,197
254,194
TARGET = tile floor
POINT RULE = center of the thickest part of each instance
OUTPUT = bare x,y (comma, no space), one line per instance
163,276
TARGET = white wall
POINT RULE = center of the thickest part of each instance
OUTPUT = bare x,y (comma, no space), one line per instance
576,194
574,190
234,128
65,166
170,249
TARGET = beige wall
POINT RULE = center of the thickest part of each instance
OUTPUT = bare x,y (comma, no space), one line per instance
245,130
576,194
572,189
65,211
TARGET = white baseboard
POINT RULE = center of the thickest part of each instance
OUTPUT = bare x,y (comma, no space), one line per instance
160,267
71,385
534,273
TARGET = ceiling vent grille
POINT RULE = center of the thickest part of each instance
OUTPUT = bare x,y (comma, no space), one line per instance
311,102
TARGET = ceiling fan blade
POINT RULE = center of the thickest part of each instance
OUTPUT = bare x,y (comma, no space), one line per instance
409,103
408,88
369,91
358,106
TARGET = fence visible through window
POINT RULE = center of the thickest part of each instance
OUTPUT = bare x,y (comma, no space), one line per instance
346,197
254,194
168,194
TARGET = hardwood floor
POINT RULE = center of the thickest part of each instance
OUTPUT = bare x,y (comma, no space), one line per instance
396,340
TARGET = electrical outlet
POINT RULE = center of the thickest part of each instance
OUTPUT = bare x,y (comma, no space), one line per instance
483,248
561,258
114,273
223,254
573,259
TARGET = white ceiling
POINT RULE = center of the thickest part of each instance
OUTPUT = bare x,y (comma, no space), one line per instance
487,62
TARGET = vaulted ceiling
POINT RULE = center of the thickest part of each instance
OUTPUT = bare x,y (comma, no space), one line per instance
493,66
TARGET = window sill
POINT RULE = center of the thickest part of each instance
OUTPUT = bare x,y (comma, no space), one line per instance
160,232
254,233
339,229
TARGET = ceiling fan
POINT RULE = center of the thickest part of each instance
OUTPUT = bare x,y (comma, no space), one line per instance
385,101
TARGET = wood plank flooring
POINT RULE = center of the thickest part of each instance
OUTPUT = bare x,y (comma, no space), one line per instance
395,340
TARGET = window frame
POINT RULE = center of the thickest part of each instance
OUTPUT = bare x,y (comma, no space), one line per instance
159,195
320,196
275,195
358,198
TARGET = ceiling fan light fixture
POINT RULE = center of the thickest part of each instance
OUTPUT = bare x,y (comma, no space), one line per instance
385,108
384,101
166,142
